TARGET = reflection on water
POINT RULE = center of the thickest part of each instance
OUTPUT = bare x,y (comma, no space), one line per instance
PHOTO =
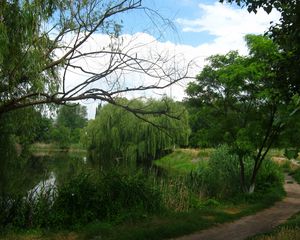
42,171
47,186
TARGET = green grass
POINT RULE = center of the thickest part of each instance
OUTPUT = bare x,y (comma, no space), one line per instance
165,225
183,161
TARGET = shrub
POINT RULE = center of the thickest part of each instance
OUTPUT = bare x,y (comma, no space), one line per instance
269,175
84,198
128,191
291,153
296,175
26,211
220,176
77,201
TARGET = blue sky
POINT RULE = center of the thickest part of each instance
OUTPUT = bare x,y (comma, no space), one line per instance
185,9
202,28
172,10
176,10
179,11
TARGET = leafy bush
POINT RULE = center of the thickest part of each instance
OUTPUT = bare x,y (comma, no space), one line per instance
291,153
25,212
269,175
296,175
87,197
220,176
84,198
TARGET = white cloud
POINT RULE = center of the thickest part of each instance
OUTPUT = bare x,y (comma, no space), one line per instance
139,45
229,26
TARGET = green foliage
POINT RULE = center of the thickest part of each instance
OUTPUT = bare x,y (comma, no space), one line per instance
23,45
31,32
130,205
72,117
239,100
231,101
291,153
286,35
62,136
180,161
118,136
220,177
84,198
296,175
18,130
269,176
69,124
177,195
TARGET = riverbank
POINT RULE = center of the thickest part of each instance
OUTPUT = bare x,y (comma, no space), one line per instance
194,212
166,225
39,149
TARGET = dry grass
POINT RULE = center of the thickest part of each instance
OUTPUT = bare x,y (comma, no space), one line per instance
60,236
232,210
281,161
175,195
283,234
192,151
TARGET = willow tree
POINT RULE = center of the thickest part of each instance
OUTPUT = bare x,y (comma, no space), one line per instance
119,136
43,42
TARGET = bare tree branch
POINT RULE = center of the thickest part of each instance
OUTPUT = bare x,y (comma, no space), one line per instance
108,69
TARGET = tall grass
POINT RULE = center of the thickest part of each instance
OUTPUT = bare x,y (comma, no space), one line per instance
116,196
84,198
282,234
177,195
219,177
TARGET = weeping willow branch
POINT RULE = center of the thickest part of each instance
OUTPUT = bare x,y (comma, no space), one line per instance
57,47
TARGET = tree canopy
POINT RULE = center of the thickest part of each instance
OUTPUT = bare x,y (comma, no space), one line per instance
285,34
118,135
40,41
72,116
239,100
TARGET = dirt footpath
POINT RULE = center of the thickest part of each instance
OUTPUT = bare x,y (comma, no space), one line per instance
261,222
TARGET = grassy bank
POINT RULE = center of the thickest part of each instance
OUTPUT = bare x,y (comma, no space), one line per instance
166,225
182,161
133,206
48,148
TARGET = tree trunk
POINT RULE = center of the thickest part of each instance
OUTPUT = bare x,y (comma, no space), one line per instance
251,188
242,174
